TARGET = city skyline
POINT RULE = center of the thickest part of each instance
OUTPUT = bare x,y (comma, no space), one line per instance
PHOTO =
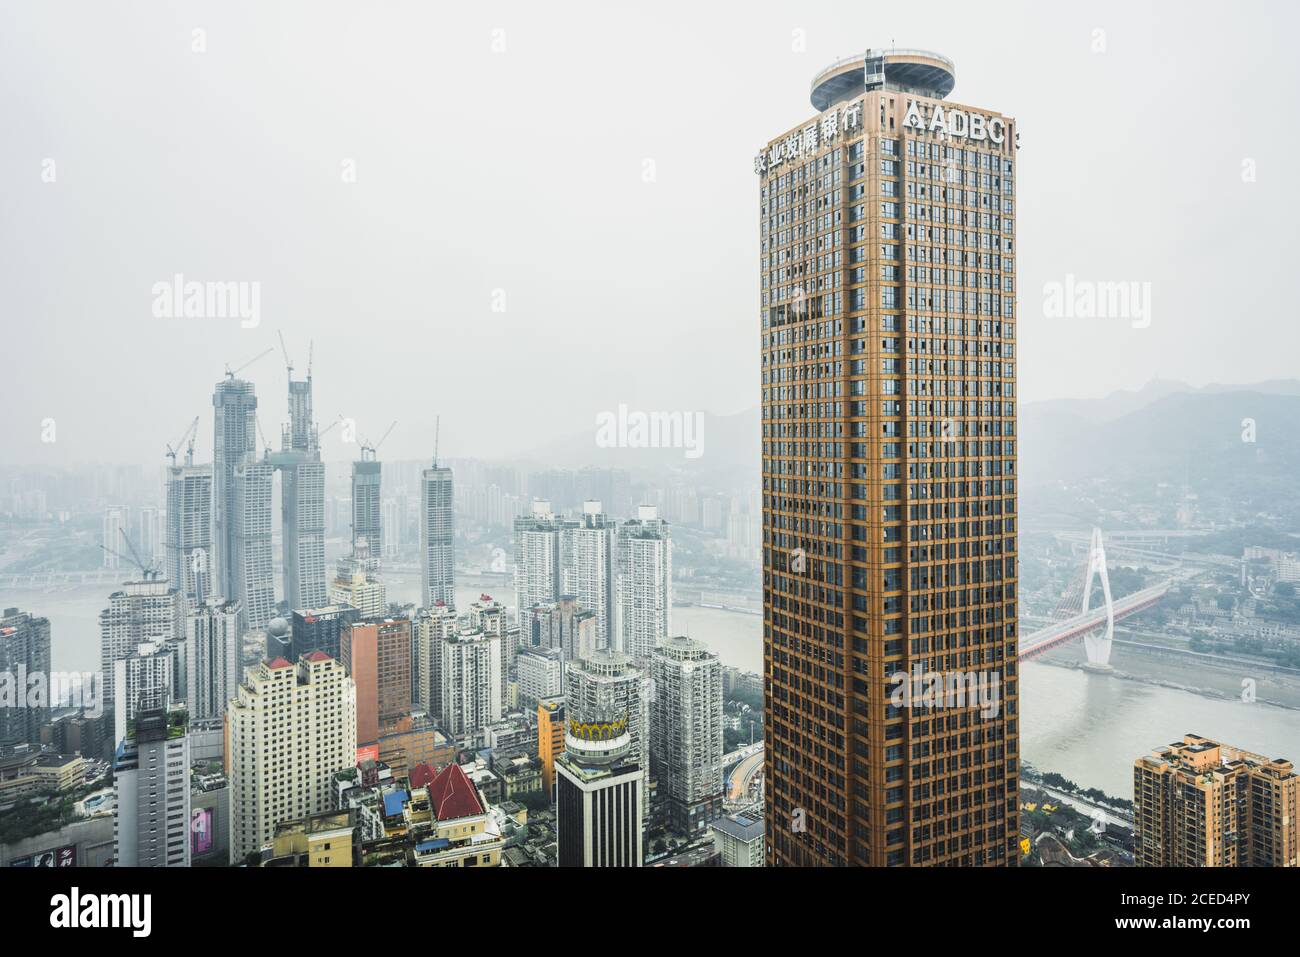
1109,95
659,439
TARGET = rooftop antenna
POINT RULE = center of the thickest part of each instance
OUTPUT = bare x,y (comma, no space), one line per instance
437,433
311,349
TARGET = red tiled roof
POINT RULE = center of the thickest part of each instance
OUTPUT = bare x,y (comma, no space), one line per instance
452,794
278,663
317,655
421,775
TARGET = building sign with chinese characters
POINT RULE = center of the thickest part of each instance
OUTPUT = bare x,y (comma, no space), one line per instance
812,137
955,122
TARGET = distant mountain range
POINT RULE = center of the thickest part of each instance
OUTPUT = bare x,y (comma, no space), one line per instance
1167,431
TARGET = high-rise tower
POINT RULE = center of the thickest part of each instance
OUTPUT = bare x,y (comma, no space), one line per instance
599,798
234,444
588,567
889,489
24,651
302,498
437,536
189,527
645,583
367,515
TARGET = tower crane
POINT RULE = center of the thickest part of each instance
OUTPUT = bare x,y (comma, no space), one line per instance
175,444
148,571
372,449
231,372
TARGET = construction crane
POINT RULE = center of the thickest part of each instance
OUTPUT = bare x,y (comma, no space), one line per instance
262,435
288,363
148,571
328,429
187,434
231,372
372,449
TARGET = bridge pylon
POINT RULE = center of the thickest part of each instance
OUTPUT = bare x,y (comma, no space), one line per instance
1098,645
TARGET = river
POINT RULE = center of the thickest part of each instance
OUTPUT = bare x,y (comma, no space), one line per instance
1089,727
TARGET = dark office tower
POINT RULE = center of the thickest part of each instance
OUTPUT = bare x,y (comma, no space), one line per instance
302,500
234,444
598,794
367,522
24,652
889,491
318,629
437,534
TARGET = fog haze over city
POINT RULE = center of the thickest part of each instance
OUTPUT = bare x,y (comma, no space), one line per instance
518,218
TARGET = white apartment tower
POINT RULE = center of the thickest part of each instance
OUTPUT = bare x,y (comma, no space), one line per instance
686,732
537,557
189,527
212,652
144,681
139,612
289,731
469,683
645,583
588,567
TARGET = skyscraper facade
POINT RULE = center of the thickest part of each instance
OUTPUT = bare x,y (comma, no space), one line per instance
151,784
212,654
537,556
1200,803
645,583
234,444
437,537
321,629
561,624
145,680
686,732
367,508
138,612
254,562
302,500
589,568
189,528
468,685
291,729
599,794
24,651
889,488
609,682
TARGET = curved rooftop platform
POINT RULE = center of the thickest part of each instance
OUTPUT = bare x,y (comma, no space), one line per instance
922,72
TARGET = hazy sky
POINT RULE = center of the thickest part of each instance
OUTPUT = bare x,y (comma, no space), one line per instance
597,172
